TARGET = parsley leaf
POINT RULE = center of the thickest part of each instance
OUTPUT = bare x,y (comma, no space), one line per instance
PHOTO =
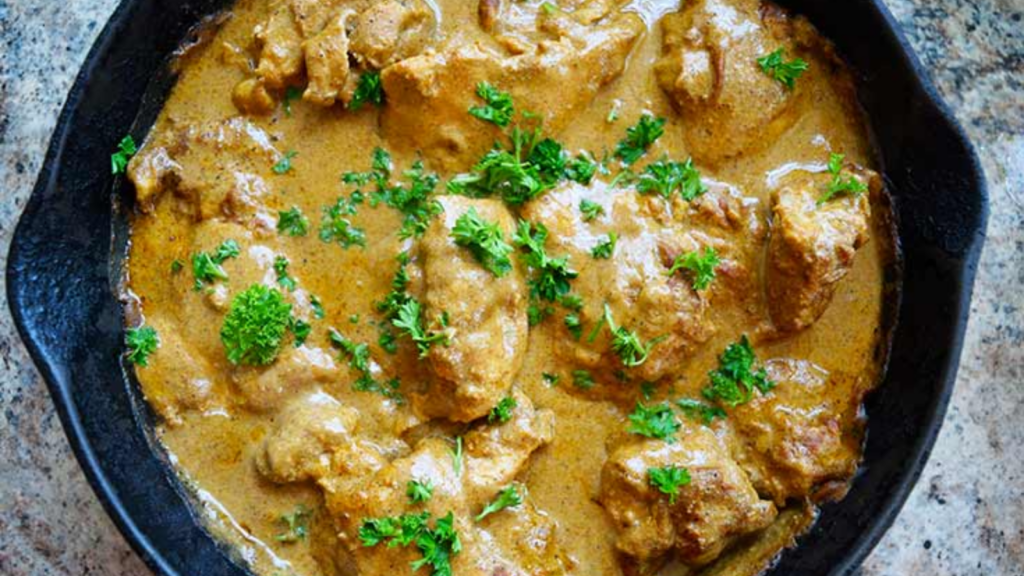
419,492
700,266
697,410
639,138
369,89
506,498
776,67
605,249
206,267
582,379
176,266
590,210
255,325
550,379
484,240
407,319
411,199
119,159
292,222
657,421
735,380
502,411
297,523
141,342
317,306
551,275
499,109
666,176
359,360
840,186
283,279
504,172
285,163
627,344
437,545
335,226
291,93
668,480
574,325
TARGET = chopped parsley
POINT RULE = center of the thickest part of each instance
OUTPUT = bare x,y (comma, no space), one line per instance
176,266
605,249
502,411
484,240
407,319
668,480
639,138
498,109
317,306
141,342
301,330
336,226
657,421
775,66
551,379
582,379
437,545
283,279
627,344
206,267
457,457
701,267
119,159
697,410
255,326
412,198
551,275
291,94
419,492
284,165
506,498
506,173
359,360
574,325
590,210
369,89
735,380
535,313
292,222
839,186
665,177
296,524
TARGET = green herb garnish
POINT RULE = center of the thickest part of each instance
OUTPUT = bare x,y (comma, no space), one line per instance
484,240
506,498
639,138
502,411
297,524
119,159
735,380
283,279
606,248
206,267
369,89
665,177
657,421
668,480
255,326
419,492
498,110
141,342
590,210
285,163
839,185
582,379
700,266
697,410
775,66
292,222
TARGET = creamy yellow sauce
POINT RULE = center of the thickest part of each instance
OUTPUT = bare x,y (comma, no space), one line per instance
214,444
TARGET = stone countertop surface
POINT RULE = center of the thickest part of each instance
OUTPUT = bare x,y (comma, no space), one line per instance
966,515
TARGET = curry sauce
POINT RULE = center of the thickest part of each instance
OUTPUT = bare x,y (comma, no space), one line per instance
510,287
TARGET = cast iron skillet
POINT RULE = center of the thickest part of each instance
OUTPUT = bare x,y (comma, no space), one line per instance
64,265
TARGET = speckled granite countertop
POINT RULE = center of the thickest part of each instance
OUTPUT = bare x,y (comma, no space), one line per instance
966,516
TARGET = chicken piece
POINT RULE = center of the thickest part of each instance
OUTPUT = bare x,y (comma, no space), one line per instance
492,456
713,509
391,31
487,328
327,61
709,69
216,169
177,378
668,315
793,442
314,436
812,247
429,95
294,371
310,39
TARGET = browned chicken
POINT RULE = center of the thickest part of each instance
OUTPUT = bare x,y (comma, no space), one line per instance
812,247
668,315
796,440
429,95
486,317
709,68
701,520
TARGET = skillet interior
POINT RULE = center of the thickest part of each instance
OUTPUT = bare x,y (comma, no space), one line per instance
64,266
